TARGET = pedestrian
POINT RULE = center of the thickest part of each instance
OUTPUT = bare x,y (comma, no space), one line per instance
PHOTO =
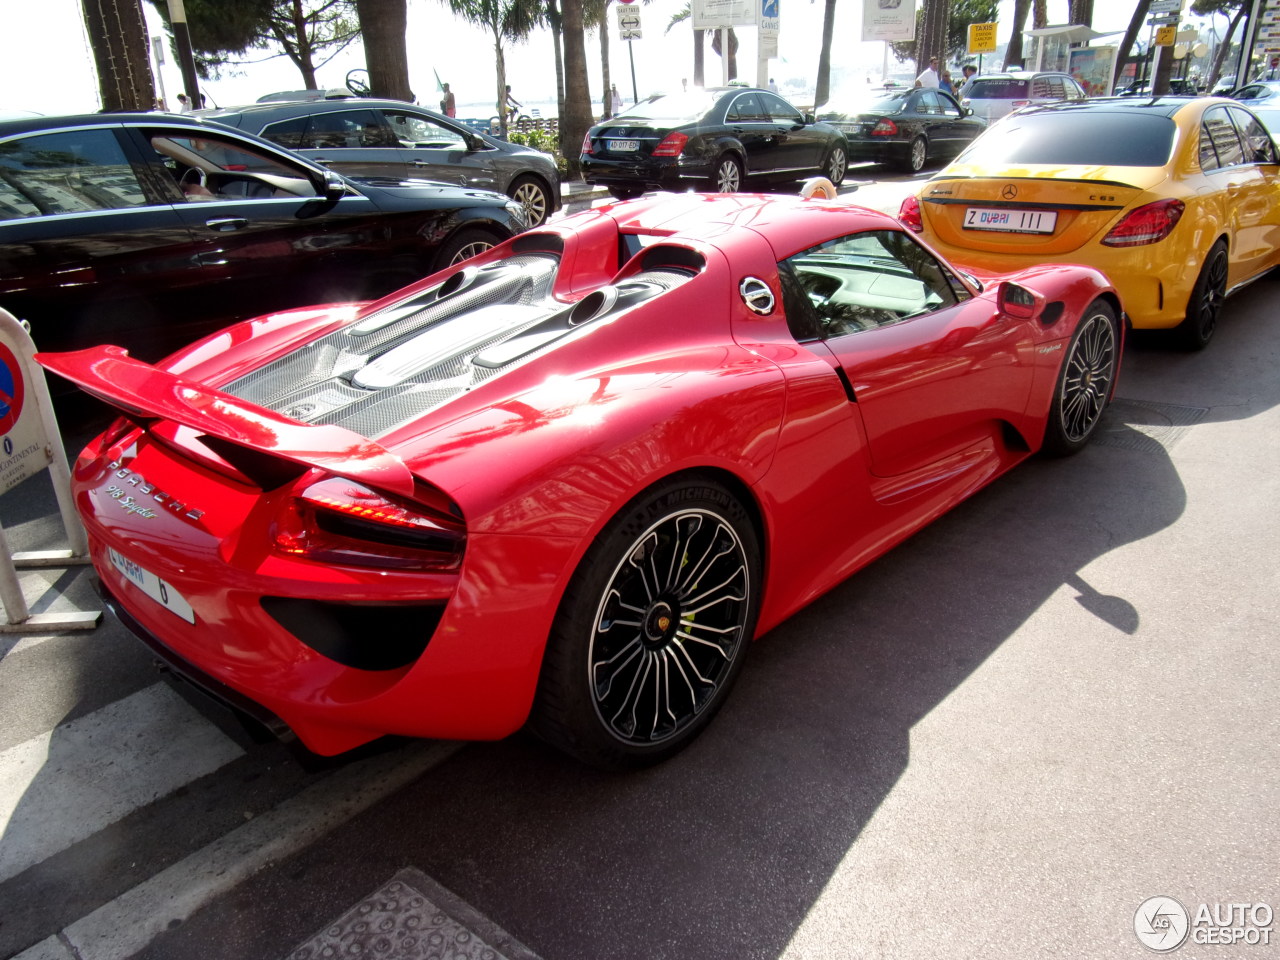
969,71
773,86
184,105
615,99
512,104
448,105
944,83
929,75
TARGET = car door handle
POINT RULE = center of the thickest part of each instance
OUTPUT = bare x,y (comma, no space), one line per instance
227,224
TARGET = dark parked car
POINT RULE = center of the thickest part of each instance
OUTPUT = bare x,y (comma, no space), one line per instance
148,230
387,138
714,139
907,128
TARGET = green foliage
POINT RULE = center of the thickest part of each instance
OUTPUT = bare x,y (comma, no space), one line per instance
548,141
961,14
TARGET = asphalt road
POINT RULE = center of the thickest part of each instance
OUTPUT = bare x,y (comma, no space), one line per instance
999,740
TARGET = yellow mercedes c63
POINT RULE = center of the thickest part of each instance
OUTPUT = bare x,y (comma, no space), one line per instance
1176,199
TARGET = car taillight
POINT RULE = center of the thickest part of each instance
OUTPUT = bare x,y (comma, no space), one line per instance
340,521
586,143
1015,104
1149,223
670,145
909,214
885,128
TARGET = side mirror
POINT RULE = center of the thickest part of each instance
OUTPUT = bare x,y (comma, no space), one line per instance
1019,302
335,188
808,118
966,111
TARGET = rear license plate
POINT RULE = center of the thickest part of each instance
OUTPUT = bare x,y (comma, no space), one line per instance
155,588
624,146
1010,221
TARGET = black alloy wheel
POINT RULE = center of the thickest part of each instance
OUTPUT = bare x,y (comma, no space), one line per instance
653,629
1205,303
1085,381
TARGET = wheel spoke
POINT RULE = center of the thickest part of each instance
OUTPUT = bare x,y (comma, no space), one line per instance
631,650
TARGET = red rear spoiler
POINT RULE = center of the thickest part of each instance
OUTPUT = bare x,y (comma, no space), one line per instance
141,390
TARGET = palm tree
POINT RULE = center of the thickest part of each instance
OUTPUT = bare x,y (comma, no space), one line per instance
506,20
382,26
822,91
118,36
1013,52
575,119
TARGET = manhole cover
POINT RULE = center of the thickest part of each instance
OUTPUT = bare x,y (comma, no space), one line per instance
1145,424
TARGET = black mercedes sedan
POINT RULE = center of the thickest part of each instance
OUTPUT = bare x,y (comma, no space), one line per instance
720,139
148,230
906,128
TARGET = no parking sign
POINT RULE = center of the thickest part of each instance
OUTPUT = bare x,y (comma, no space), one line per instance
24,450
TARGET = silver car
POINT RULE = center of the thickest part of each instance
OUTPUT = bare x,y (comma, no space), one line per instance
388,138
993,95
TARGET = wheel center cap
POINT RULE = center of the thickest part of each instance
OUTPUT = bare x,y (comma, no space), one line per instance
659,622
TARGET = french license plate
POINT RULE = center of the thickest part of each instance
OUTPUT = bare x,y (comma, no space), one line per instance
1010,221
155,588
624,146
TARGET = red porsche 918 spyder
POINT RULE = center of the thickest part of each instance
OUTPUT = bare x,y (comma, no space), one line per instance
565,483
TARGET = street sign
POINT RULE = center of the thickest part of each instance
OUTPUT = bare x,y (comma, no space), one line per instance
628,22
1164,6
1165,36
1162,19
982,38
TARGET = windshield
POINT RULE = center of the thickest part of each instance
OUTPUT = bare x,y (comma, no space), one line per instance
672,109
1067,138
997,88
868,103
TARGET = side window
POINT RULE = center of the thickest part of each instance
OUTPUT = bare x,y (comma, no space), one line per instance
288,133
411,130
208,167
948,106
1040,89
745,109
863,281
1221,132
72,172
779,110
1258,144
1208,158
1073,90
928,103
345,129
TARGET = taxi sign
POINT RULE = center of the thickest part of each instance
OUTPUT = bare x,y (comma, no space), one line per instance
1166,36
982,37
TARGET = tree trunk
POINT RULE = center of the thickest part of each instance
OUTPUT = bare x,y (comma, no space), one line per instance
500,64
1013,52
1130,36
1082,12
1220,55
577,94
933,34
557,40
118,36
699,60
1039,14
382,27
823,91
606,97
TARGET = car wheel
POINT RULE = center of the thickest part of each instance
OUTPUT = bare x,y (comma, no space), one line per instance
653,628
624,193
836,166
463,245
728,175
1197,329
1084,382
917,154
533,196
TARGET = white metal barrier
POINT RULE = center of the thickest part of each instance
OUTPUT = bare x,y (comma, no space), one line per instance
30,442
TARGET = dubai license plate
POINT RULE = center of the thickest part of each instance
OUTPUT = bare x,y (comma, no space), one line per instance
155,588
1010,221
624,146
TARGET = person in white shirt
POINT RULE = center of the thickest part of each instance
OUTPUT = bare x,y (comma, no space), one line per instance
929,76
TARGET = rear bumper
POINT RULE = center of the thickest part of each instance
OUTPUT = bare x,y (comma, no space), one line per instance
648,174
878,151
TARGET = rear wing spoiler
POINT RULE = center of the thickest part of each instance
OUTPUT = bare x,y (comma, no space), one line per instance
144,393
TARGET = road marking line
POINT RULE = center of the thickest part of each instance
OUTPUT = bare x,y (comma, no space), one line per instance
123,927
80,777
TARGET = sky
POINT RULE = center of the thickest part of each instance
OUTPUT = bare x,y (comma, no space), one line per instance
46,65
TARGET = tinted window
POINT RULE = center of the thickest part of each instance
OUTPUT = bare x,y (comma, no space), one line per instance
779,109
1122,139
877,104
350,128
928,103
66,173
948,106
744,108
860,282
998,88
1254,134
673,110
1221,134
287,133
